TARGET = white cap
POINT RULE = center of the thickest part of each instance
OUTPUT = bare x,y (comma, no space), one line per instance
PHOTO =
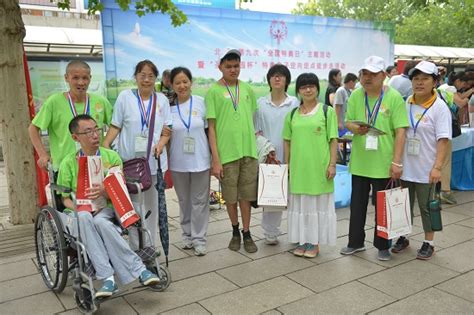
374,64
231,52
425,67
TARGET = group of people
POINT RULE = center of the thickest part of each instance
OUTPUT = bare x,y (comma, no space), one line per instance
220,135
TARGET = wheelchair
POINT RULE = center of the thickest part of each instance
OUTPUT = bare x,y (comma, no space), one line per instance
61,255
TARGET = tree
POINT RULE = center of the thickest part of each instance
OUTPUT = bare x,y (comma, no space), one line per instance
14,115
425,22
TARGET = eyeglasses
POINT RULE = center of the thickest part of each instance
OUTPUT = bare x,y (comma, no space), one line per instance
278,75
90,132
305,87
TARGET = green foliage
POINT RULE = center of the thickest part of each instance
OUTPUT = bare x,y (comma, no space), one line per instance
421,22
142,7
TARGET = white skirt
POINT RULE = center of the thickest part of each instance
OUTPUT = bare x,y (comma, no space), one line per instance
312,219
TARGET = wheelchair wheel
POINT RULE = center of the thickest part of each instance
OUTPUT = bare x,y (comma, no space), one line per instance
85,301
51,251
165,277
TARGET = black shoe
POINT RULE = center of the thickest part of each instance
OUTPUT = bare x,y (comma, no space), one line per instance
425,252
400,245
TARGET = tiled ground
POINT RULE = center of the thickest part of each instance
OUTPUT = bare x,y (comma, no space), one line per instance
271,281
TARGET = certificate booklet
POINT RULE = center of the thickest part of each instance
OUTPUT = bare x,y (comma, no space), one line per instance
273,185
372,130
90,173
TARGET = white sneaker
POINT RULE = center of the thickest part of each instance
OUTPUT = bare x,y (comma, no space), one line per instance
187,245
271,240
200,250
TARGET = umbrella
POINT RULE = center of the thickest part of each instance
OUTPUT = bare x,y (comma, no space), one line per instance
163,212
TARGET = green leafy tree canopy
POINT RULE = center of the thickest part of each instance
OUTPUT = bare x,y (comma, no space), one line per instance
417,22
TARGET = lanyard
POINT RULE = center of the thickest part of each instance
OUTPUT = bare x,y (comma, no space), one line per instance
144,113
97,153
72,106
235,98
188,125
372,116
415,126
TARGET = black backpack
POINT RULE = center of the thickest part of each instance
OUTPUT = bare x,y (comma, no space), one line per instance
325,111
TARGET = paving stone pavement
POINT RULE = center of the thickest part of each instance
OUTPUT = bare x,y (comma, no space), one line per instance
272,280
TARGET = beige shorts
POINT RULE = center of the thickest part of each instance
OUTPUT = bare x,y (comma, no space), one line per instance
240,180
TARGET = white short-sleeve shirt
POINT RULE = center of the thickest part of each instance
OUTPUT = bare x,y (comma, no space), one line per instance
435,125
127,117
269,120
341,97
199,160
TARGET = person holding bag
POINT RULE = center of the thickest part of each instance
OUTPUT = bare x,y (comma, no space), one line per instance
425,151
139,133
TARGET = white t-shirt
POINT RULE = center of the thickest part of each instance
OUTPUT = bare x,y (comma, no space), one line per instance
435,125
402,84
269,120
127,117
199,160
341,97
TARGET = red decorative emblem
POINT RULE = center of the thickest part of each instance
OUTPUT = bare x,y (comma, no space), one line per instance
278,30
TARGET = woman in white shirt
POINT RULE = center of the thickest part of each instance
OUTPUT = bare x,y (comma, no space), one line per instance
130,123
190,161
425,148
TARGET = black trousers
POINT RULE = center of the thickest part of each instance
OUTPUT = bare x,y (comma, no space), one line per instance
359,201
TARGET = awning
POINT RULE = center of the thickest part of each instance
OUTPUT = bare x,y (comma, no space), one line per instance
436,54
62,41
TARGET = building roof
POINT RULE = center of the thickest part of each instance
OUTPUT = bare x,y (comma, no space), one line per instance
436,54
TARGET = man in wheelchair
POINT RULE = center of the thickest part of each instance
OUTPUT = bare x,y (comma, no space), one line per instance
109,252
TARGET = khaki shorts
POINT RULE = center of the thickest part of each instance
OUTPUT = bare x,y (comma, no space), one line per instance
240,180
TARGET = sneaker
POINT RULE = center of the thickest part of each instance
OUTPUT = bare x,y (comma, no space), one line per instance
311,251
271,240
149,278
234,243
299,250
249,245
425,252
383,255
108,289
400,245
200,250
350,250
187,245
448,198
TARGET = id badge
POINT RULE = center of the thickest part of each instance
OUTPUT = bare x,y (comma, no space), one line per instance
371,143
413,146
188,145
141,144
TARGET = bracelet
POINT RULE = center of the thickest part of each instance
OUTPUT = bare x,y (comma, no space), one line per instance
396,164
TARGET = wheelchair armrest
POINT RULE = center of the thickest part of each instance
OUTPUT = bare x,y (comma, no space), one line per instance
60,189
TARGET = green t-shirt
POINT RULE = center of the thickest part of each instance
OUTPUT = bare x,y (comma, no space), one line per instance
69,168
55,115
309,150
235,131
392,115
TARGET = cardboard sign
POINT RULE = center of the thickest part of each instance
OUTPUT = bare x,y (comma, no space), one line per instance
117,191
90,173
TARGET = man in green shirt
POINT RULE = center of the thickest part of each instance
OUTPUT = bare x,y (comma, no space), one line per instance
58,110
374,159
230,106
109,252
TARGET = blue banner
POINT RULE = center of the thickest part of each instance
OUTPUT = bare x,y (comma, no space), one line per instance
303,43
